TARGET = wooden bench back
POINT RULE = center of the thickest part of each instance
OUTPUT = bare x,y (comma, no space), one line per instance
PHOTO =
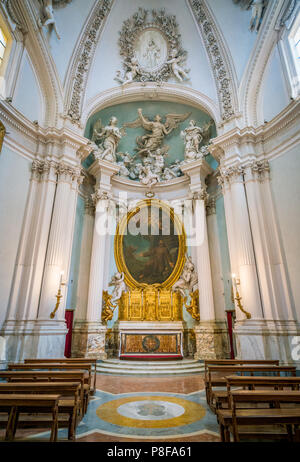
265,396
226,370
46,376
54,366
236,362
92,361
274,382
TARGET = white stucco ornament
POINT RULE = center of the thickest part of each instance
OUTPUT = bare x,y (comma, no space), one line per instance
188,278
193,136
108,138
150,44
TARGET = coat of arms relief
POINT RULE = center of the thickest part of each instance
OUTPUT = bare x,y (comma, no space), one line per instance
150,45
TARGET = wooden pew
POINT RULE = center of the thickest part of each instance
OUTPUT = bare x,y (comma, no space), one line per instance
217,374
221,398
92,361
234,362
69,402
230,420
55,366
50,376
14,405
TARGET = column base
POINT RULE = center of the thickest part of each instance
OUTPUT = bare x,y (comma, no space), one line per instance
264,339
34,339
211,340
88,340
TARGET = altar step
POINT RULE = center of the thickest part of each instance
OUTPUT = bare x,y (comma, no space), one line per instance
144,368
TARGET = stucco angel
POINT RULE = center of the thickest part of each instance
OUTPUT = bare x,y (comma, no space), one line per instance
193,136
130,73
176,65
47,16
159,159
188,278
111,135
117,281
150,142
148,177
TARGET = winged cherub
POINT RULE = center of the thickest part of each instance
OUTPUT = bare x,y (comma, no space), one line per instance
148,143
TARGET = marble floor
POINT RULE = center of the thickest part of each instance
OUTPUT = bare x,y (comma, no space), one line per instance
139,409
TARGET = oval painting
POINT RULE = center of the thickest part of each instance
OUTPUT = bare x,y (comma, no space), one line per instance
151,245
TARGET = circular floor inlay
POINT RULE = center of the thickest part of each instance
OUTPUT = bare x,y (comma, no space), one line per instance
151,412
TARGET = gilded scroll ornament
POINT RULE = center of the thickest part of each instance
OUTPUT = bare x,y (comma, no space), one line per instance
193,307
108,307
2,135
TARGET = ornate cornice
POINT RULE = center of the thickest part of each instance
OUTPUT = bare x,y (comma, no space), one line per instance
219,64
84,56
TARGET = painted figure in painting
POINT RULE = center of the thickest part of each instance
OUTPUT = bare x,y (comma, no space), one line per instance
151,258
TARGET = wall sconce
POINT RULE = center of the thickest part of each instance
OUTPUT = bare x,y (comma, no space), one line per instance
238,298
58,295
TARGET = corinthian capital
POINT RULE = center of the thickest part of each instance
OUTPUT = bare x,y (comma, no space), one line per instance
260,169
231,174
101,195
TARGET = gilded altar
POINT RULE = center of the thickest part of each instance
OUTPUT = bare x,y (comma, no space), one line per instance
150,304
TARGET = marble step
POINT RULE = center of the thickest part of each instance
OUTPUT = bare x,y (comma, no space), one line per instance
118,367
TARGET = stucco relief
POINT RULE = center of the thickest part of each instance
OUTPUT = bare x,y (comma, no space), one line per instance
150,45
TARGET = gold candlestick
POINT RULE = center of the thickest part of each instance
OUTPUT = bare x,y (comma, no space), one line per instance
238,298
58,296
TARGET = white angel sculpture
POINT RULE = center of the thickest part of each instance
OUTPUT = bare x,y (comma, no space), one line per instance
111,136
48,18
117,281
193,136
147,177
150,142
130,74
177,69
188,278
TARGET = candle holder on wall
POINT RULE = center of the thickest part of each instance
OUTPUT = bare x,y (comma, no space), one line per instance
58,296
238,298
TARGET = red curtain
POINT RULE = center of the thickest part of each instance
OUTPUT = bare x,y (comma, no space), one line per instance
230,333
69,321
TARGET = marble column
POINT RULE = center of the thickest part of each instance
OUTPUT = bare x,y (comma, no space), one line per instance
92,330
57,263
25,292
273,335
209,336
83,278
245,257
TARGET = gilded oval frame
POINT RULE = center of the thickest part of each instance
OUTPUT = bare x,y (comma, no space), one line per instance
118,245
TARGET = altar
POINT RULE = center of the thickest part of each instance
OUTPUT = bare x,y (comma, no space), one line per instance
151,340
148,292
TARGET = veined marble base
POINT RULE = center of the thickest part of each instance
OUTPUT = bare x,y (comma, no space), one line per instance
264,339
34,339
211,340
88,340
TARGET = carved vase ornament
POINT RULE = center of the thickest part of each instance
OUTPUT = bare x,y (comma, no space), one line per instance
151,48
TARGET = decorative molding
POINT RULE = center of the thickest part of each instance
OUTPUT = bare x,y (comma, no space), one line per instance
149,91
221,70
84,56
42,168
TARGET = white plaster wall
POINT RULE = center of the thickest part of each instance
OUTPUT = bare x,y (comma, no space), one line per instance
107,59
27,97
273,94
286,192
234,24
14,184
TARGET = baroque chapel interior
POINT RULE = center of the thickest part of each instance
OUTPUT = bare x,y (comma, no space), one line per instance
149,211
